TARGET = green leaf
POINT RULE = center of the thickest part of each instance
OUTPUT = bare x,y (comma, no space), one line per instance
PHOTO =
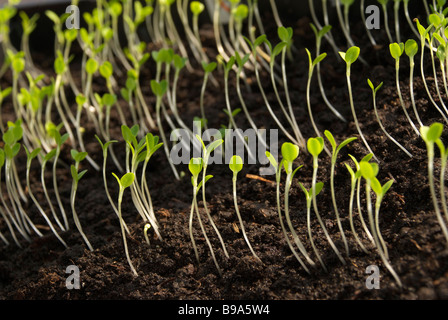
331,139
367,170
159,88
195,166
319,58
212,146
285,34
290,151
376,186
74,172
209,67
236,164
318,187
396,50
432,133
208,177
271,159
196,7
91,66
127,180
2,158
351,55
106,69
315,146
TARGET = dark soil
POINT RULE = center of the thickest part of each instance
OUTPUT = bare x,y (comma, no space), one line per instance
167,269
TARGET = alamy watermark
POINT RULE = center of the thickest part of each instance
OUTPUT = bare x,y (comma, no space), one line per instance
73,19
373,280
73,280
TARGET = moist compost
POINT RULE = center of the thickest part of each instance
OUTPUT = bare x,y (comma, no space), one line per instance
167,268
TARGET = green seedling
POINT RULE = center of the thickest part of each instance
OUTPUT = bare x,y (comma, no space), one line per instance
424,36
12,146
196,166
396,50
369,172
315,147
59,140
309,200
206,152
124,182
290,153
30,156
374,92
350,56
76,175
411,49
443,164
334,155
431,136
278,171
236,165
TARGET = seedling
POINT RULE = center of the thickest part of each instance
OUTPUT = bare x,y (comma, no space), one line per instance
76,175
195,166
369,172
206,152
315,147
350,56
124,182
278,172
236,165
335,151
374,92
396,50
431,135
411,49
290,153
30,156
309,200
424,36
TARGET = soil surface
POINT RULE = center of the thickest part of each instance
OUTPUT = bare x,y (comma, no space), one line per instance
167,268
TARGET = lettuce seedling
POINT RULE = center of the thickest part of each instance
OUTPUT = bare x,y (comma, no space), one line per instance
290,153
309,200
431,135
374,92
424,36
369,172
278,171
350,56
396,50
206,152
315,146
196,166
3,94
411,49
334,155
76,175
236,165
124,182
30,156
